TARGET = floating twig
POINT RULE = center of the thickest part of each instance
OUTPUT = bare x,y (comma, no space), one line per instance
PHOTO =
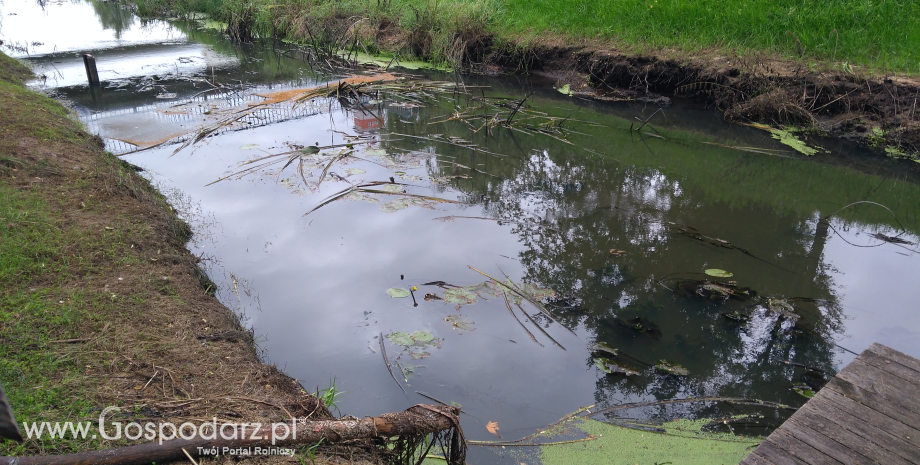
539,327
386,360
508,305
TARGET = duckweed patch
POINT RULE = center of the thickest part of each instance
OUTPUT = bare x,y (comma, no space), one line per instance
683,443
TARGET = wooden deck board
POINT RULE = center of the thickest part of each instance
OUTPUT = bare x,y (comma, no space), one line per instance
868,414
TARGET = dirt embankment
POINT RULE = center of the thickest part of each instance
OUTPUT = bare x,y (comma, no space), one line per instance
101,304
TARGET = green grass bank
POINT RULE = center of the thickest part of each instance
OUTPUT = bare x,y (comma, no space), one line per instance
879,35
101,304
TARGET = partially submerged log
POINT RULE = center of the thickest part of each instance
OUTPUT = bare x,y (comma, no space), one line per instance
414,423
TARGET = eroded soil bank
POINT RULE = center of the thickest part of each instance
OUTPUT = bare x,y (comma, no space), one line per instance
836,98
101,304
873,110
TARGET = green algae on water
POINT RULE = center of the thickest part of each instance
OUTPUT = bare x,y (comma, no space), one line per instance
683,443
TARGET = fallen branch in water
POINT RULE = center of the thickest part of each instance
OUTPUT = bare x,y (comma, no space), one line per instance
417,421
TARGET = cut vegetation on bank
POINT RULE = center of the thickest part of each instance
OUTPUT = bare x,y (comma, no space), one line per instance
847,68
101,304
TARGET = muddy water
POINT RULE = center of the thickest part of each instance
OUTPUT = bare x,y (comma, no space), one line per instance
538,209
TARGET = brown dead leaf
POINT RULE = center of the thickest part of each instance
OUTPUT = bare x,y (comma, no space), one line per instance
617,252
493,428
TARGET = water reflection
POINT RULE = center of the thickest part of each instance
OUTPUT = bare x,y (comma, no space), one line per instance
553,212
114,15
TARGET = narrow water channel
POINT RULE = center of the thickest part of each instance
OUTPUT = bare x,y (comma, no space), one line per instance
620,225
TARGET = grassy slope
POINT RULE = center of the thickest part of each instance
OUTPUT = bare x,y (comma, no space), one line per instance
881,35
90,251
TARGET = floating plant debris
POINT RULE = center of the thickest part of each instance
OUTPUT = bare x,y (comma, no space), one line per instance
783,308
604,347
611,367
640,325
714,290
672,368
738,316
803,390
717,273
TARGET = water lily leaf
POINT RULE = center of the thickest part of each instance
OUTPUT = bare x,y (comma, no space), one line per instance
673,368
394,206
354,171
610,367
376,152
422,336
566,89
248,146
401,339
460,296
719,273
604,347
392,188
408,371
398,292
310,149
803,390
361,196
460,322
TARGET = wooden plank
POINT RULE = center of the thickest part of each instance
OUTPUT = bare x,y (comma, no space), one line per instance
873,417
816,437
893,368
872,433
874,401
777,455
754,459
852,440
895,356
799,450
873,379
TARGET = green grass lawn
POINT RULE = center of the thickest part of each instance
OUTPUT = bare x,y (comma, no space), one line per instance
882,33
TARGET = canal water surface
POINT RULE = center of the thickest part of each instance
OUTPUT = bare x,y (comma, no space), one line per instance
615,227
